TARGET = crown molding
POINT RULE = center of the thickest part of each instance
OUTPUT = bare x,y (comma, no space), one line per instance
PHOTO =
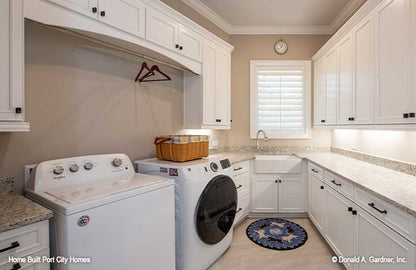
230,29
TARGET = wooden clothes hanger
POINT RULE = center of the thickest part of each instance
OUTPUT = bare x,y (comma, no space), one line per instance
150,73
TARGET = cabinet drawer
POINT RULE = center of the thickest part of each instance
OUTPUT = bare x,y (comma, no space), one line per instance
239,168
339,184
28,265
27,239
243,205
241,183
395,218
316,170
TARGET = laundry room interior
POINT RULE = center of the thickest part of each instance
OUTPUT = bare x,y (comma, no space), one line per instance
207,134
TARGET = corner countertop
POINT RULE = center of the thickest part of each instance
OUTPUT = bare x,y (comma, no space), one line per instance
18,211
394,187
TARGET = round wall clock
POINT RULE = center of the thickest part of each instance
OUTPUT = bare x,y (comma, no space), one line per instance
281,47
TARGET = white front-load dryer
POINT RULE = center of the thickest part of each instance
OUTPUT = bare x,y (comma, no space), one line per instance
205,208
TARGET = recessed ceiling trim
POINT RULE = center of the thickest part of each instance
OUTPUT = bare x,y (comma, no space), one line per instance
230,29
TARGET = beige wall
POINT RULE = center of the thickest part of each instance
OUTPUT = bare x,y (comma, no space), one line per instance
261,47
192,14
399,145
81,99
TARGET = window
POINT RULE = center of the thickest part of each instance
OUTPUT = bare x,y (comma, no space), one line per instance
280,98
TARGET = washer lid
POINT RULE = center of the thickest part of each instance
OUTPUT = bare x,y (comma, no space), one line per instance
75,198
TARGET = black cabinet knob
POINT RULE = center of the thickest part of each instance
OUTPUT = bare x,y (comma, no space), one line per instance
94,10
350,209
16,266
18,110
322,121
180,48
405,115
354,212
177,46
322,187
412,115
218,120
102,13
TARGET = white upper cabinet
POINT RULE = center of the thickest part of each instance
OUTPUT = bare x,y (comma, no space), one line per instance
376,69
319,93
364,70
190,43
331,68
127,15
85,7
393,54
12,66
168,33
346,92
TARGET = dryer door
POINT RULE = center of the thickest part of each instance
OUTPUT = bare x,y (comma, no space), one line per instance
216,209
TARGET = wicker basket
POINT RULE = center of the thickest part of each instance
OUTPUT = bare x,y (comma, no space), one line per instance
181,148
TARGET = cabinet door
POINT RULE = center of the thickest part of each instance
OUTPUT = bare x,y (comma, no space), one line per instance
264,195
11,60
222,94
209,84
373,238
316,206
126,15
392,61
291,194
162,30
191,43
84,7
339,224
320,92
331,67
345,93
364,69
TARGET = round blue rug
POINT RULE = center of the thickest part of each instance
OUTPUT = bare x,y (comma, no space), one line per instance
275,233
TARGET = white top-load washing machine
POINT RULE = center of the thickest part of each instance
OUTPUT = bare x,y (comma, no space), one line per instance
205,208
104,211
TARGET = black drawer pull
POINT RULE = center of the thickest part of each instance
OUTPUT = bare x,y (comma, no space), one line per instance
412,115
239,209
380,211
12,246
18,110
217,120
239,186
322,187
315,171
16,266
177,46
350,209
322,121
354,212
237,169
405,115
335,183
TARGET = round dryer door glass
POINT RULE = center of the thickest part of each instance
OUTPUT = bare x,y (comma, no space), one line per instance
216,209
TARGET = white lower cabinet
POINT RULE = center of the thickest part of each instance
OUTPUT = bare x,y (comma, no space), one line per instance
278,194
353,232
316,203
374,239
241,178
339,224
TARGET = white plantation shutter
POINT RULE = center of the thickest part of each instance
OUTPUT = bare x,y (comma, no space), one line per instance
280,97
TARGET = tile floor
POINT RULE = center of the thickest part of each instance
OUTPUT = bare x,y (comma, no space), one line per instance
245,255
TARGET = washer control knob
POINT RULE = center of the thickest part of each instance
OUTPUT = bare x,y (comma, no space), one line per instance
88,166
214,166
117,162
58,170
74,168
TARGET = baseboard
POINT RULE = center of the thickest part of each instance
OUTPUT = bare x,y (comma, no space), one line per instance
277,215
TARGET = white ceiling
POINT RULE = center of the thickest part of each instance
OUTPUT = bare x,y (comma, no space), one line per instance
277,16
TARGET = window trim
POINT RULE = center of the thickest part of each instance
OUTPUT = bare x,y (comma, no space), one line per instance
307,92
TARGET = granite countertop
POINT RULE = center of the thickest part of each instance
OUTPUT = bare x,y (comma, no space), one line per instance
18,211
394,187
235,157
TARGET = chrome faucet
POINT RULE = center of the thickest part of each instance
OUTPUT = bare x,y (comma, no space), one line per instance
257,138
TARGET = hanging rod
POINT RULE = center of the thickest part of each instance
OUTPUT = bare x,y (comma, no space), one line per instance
109,45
